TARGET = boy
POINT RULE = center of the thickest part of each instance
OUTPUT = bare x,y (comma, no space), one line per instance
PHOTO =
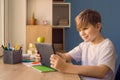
96,53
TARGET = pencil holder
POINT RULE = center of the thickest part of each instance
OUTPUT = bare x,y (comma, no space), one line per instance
12,57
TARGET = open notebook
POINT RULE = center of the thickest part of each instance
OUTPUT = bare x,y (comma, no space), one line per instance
37,66
42,68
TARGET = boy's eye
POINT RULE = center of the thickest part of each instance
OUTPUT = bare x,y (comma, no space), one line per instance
85,28
82,29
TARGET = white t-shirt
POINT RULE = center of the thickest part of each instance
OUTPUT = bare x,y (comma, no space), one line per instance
93,55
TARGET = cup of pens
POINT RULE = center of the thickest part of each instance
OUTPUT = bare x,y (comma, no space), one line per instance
12,56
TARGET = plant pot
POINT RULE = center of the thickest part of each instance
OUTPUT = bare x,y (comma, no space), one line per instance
32,21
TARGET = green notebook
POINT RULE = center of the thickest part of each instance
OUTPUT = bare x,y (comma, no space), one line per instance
42,68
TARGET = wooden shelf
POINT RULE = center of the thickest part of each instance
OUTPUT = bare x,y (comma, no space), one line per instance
34,31
61,14
58,0
52,35
57,14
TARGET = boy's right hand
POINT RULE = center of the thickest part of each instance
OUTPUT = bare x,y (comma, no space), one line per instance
37,58
61,55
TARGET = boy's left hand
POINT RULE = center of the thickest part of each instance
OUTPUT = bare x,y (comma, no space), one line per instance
58,62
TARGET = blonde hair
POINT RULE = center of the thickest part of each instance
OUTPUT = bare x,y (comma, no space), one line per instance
86,17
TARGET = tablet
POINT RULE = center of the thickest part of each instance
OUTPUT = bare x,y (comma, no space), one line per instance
45,50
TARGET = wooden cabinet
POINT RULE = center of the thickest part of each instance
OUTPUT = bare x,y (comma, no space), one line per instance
57,14
58,38
52,35
34,31
15,27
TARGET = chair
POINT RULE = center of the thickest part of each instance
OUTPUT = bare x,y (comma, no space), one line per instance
117,76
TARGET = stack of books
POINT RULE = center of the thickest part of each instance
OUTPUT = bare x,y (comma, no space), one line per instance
37,66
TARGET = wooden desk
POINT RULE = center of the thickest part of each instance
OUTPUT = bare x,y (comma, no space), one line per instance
22,72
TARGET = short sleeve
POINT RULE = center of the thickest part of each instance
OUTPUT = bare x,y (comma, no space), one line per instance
75,53
108,56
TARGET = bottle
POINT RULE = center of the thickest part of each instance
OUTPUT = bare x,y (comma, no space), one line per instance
31,50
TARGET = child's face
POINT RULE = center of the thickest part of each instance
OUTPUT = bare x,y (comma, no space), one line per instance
89,33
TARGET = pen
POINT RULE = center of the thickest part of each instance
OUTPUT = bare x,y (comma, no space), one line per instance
4,47
18,47
8,46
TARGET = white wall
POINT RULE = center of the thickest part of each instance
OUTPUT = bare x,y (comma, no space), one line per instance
1,22
17,22
6,22
42,10
17,18
1,25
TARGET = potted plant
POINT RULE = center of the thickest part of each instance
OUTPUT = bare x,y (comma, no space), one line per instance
33,20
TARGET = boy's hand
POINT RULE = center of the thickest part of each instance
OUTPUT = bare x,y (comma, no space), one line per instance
37,58
61,55
58,62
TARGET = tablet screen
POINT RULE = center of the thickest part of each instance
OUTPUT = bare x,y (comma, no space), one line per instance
45,50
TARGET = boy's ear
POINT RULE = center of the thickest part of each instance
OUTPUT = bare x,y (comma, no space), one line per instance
99,26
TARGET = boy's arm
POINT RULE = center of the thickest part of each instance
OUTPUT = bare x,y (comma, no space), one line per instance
91,71
68,57
60,63
65,56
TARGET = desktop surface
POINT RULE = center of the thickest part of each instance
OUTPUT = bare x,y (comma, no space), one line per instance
23,72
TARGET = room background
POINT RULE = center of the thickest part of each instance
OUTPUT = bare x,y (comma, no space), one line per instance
15,21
